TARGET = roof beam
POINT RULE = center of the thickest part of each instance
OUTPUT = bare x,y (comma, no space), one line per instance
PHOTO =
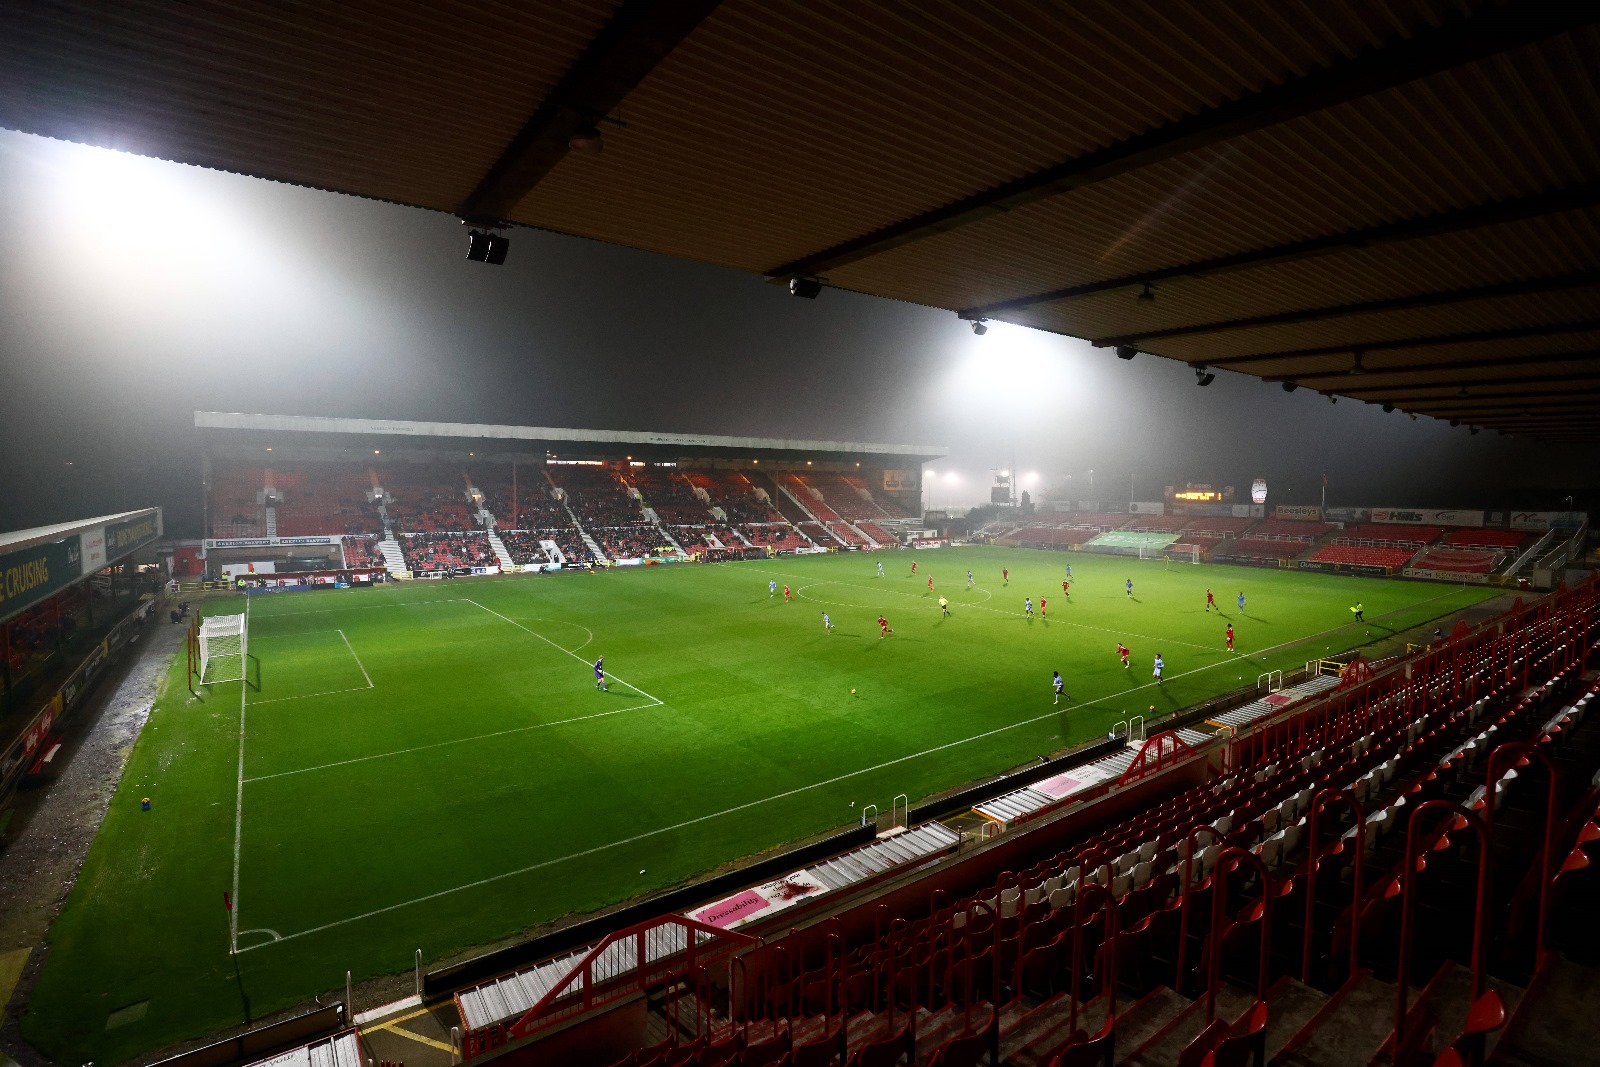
639,36
1589,356
1390,391
1521,287
1522,399
1460,40
1509,333
1520,209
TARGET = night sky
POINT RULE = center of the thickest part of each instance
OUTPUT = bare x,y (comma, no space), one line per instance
134,291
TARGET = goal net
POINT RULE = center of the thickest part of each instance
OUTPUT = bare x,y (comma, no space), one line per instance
222,649
1181,553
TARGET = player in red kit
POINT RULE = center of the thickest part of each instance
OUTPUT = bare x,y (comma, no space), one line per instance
1042,603
913,566
1005,575
930,583
1066,588
1211,601
1122,650
883,628
1230,637
787,596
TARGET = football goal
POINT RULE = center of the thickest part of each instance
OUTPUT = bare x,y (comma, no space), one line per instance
222,641
1181,553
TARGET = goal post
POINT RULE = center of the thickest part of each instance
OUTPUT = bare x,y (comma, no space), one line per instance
221,645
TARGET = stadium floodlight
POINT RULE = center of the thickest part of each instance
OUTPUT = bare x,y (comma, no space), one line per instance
1357,367
477,245
1147,295
222,640
1473,431
1126,351
1290,387
1388,409
1202,377
980,326
499,245
805,288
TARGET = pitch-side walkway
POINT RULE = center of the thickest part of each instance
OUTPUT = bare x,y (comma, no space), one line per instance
53,827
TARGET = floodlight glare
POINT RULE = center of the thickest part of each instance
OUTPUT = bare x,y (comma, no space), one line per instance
498,247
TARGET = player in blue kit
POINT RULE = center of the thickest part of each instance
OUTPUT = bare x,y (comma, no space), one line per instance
772,587
827,623
600,675
1129,584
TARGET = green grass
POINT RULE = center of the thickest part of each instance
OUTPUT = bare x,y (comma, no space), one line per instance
430,766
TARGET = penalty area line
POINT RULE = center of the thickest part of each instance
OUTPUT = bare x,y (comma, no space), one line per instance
452,741
1053,713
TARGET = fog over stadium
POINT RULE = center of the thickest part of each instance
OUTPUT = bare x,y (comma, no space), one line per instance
136,291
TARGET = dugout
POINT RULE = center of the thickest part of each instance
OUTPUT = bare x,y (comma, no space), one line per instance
69,597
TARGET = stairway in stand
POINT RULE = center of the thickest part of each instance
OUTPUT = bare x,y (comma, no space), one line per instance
393,559
500,552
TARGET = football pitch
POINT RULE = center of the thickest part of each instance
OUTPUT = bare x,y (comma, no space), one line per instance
430,765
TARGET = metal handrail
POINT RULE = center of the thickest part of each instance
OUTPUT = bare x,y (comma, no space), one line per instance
1228,861
1183,897
1547,850
1463,820
1109,942
1343,796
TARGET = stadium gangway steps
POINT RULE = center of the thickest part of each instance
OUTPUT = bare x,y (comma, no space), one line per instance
340,1050
1022,804
897,850
1273,703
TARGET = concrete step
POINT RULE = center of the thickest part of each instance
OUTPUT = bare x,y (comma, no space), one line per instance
1556,1022
1162,1048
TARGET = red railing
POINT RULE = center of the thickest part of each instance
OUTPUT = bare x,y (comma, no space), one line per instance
1316,854
1462,820
657,955
1528,751
1152,756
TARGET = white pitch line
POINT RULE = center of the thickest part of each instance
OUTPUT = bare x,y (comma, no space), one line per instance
308,696
238,800
1054,712
452,741
569,652
360,607
355,657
